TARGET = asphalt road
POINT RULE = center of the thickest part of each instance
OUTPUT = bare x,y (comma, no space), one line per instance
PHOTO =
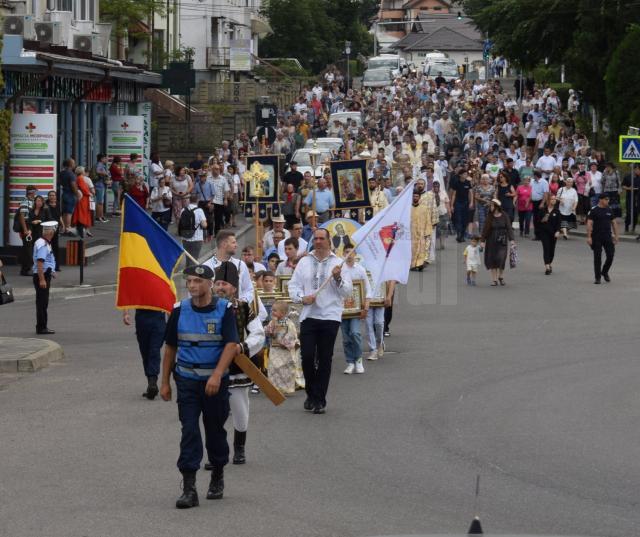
533,386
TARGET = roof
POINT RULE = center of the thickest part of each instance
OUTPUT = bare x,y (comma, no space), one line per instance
416,3
445,39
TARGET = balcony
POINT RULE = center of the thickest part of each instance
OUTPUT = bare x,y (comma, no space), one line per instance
217,57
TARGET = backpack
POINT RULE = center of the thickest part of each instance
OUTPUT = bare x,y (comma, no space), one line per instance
17,225
187,223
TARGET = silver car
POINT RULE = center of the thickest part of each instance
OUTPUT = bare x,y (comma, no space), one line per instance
377,78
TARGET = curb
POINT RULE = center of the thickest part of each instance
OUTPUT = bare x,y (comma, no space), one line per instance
21,295
35,361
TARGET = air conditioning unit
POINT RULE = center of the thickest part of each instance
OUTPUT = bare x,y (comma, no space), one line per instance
103,29
83,27
19,25
87,43
18,7
49,32
65,19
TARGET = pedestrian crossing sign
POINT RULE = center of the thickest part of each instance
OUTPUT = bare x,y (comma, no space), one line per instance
629,148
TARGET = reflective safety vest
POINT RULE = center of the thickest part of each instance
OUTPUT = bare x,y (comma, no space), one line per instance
200,341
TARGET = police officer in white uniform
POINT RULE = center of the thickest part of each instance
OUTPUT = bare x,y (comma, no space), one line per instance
44,268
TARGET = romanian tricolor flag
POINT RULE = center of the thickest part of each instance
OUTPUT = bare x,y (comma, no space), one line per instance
148,258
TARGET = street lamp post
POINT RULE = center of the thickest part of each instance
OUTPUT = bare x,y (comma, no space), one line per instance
314,157
347,50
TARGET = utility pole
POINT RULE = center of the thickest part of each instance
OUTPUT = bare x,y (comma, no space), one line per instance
347,50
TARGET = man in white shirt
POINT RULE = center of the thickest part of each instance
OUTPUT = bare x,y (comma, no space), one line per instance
278,225
192,238
226,246
319,283
546,163
296,231
249,258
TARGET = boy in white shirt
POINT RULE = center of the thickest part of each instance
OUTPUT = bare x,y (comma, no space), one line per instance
192,238
351,331
472,259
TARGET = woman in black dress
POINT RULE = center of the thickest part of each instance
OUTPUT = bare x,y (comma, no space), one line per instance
52,212
549,226
506,193
496,237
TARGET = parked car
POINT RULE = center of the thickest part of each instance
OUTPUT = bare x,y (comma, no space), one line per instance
395,63
377,78
303,158
449,71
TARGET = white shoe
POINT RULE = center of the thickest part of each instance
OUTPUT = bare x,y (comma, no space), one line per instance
380,351
359,366
349,369
373,355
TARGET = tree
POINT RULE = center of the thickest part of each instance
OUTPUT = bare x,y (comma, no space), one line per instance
5,123
622,82
314,31
122,14
582,35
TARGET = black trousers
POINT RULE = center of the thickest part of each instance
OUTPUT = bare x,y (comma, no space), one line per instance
26,255
536,218
317,339
609,249
627,216
218,218
548,245
150,329
42,300
388,316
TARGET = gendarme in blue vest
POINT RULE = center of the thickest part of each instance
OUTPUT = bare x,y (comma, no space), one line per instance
200,341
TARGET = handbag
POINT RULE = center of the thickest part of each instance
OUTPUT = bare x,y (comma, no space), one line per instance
513,256
6,291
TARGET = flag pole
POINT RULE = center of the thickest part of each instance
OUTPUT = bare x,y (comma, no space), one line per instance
326,282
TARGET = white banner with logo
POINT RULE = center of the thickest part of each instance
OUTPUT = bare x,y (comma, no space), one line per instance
33,160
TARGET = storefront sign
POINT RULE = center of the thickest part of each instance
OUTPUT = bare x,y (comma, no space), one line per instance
144,109
32,161
125,135
240,55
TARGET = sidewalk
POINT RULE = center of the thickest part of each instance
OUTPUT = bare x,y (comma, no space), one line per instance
101,271
26,355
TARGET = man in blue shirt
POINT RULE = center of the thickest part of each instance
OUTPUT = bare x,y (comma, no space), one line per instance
44,268
325,201
201,341
539,188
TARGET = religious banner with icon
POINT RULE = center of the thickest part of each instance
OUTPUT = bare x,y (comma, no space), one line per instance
263,210
340,231
33,148
349,178
261,179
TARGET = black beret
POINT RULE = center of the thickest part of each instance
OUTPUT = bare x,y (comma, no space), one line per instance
228,272
200,271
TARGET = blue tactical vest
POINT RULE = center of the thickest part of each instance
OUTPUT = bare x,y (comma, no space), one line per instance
200,342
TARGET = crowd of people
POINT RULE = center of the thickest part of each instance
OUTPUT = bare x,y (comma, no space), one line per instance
478,160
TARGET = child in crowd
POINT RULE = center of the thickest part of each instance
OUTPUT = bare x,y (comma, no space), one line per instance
472,259
283,349
272,262
268,282
257,279
351,335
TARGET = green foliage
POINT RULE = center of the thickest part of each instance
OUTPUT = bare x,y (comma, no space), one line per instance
582,35
314,31
123,13
5,124
622,83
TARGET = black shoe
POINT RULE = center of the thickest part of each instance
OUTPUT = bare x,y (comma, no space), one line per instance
45,331
239,441
189,496
606,278
26,273
319,409
152,388
308,404
208,466
216,485
547,272
597,282
387,333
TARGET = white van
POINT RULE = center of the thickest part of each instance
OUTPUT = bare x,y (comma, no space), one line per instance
395,63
